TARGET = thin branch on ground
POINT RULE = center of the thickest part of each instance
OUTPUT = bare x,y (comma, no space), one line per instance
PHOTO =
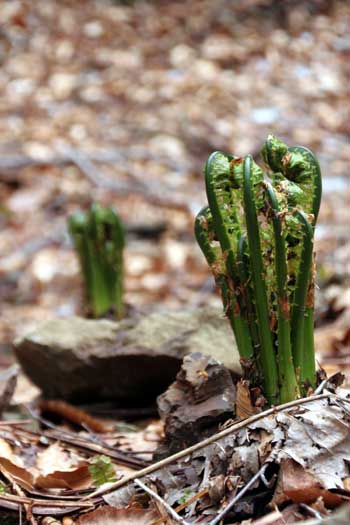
241,493
160,500
314,513
19,492
85,443
212,439
47,503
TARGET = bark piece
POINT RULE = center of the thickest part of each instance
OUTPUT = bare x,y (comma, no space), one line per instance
202,396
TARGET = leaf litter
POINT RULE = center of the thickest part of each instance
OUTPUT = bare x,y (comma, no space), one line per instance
48,75
265,451
286,457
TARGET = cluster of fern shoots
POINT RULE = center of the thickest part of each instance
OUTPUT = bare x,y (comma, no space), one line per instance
257,236
99,239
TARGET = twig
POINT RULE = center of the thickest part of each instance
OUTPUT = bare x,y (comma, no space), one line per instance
15,162
167,507
88,168
19,492
314,513
84,443
46,503
73,414
268,483
212,439
241,493
16,423
321,387
191,500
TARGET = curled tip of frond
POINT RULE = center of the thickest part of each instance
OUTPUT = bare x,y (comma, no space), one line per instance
273,152
296,166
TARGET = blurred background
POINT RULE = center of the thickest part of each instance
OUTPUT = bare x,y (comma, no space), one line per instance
121,103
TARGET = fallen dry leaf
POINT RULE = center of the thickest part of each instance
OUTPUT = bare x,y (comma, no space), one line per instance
78,478
244,405
297,484
318,438
52,458
54,468
20,475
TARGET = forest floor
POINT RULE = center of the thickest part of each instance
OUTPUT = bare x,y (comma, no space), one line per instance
122,104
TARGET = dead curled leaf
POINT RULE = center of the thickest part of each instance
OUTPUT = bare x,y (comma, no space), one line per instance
54,469
318,438
77,479
297,484
19,474
133,515
244,405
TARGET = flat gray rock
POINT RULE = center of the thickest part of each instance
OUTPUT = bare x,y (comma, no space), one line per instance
132,360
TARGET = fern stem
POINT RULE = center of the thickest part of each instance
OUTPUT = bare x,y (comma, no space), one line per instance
287,379
299,299
204,234
267,351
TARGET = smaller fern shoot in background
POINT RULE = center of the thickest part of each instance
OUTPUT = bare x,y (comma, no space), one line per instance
98,237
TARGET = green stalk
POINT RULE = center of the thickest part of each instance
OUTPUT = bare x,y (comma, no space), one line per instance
308,371
77,225
304,367
300,166
287,379
98,290
94,288
114,239
98,238
244,275
258,240
102,281
267,351
227,229
204,235
203,229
